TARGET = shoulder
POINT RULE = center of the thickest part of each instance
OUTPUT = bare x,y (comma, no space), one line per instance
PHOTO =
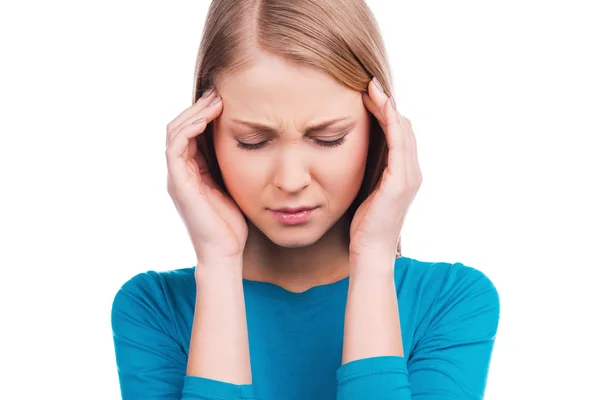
442,278
152,283
154,293
449,290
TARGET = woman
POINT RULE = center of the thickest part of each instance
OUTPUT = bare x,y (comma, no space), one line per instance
293,173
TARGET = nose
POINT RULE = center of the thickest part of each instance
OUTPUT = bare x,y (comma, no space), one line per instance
291,172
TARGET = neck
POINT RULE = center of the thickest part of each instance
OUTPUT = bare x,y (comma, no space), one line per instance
300,268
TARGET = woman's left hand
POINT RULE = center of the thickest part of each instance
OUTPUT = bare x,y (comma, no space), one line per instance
376,226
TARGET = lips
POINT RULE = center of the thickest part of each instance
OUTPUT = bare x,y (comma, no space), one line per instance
293,210
293,215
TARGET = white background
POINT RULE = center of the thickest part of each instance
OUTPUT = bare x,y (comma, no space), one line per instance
504,100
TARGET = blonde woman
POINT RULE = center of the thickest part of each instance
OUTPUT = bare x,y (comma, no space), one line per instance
293,173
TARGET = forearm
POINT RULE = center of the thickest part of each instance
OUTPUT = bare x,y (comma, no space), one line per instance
219,347
372,321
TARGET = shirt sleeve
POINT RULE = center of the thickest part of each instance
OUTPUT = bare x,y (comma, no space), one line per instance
450,361
151,364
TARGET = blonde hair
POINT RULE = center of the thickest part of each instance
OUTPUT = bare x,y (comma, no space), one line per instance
341,38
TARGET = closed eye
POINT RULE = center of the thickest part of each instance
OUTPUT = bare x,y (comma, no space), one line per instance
324,143
334,143
250,146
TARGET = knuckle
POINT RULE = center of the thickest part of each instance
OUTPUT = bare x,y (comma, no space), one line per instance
416,184
396,191
399,192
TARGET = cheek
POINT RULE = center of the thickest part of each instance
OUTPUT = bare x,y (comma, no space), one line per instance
240,175
341,174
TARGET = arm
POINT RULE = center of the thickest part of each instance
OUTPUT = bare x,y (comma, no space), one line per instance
219,347
450,361
373,364
372,323
151,362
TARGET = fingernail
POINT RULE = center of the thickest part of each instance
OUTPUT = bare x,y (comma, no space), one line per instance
214,101
376,82
393,102
207,93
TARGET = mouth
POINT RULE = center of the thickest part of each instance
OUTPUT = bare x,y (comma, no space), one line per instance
293,215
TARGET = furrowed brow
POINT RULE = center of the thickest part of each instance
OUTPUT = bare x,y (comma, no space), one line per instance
321,126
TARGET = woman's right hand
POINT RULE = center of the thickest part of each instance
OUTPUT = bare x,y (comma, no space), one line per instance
213,220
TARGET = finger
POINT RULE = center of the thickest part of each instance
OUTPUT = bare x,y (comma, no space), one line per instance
179,147
412,163
378,98
205,173
395,132
178,163
182,150
202,102
184,147
371,106
206,97
210,112
395,137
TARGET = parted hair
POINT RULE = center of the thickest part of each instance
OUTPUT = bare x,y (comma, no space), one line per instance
341,38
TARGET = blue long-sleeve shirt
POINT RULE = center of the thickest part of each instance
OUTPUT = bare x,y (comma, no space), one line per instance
448,313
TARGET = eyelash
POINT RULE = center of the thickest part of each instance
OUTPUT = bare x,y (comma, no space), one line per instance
324,143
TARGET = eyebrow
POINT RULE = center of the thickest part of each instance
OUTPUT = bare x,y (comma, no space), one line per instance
321,126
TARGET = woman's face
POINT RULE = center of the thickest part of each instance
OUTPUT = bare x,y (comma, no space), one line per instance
286,163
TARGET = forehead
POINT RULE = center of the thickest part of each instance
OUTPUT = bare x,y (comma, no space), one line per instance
274,89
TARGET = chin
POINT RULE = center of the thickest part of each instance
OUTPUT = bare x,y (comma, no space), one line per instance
295,237
291,236
293,244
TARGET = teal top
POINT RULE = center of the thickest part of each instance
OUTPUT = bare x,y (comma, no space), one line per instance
448,313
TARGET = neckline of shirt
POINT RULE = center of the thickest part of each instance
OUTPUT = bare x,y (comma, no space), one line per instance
277,292
314,293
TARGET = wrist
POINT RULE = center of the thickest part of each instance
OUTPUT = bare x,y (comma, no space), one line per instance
219,284
371,276
219,262
219,269
373,266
